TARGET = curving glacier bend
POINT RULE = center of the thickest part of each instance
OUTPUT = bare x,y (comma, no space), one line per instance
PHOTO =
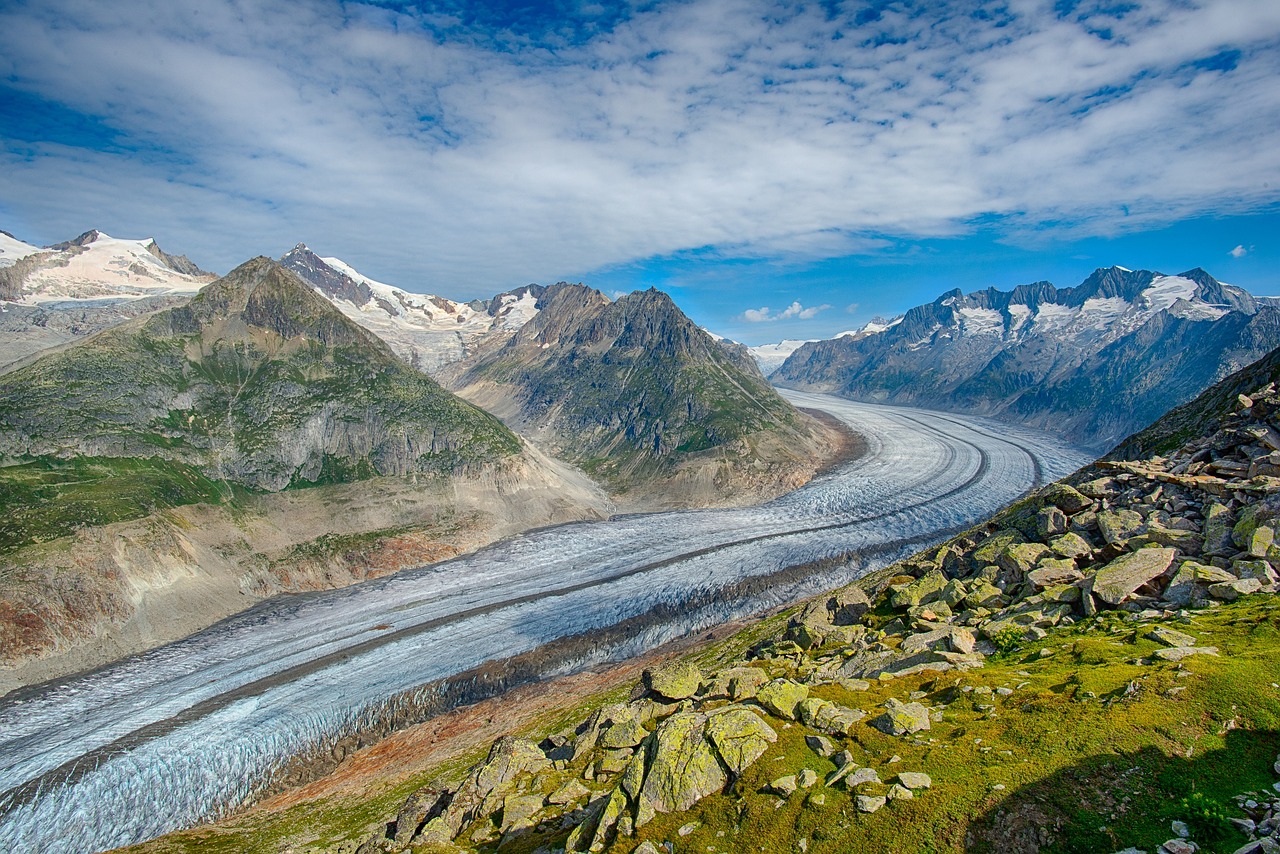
187,732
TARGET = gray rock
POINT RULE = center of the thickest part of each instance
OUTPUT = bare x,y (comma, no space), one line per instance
860,776
785,786
1119,579
675,681
849,606
1117,526
923,590
869,803
902,718
1050,522
683,766
1177,653
820,745
1070,546
1230,591
782,696
1066,498
915,779
739,736
807,778
1170,637
1218,523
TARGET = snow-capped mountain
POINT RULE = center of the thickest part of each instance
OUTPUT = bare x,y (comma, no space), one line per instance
1094,362
52,295
94,266
771,356
426,331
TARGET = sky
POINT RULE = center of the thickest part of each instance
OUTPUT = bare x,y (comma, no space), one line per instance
784,170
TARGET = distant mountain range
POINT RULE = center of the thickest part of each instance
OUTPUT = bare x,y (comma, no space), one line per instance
1093,363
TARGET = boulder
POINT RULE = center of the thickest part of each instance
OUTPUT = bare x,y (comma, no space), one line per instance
984,554
1230,591
1258,569
1192,581
678,680
1067,498
849,606
683,768
915,779
739,737
1218,522
1119,579
899,793
923,590
1054,571
1117,526
628,733
1021,558
569,793
1071,545
518,811
745,681
784,786
1050,522
820,745
807,778
420,807
869,803
902,718
782,696
1177,653
860,776
1170,637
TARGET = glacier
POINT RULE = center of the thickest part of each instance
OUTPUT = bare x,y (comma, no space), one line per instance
190,731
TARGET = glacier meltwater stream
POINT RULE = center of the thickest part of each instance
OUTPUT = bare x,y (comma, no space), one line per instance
186,732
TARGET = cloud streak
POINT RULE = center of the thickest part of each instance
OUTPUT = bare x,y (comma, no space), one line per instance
795,311
456,158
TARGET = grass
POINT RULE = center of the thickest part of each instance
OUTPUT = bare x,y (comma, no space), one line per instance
49,498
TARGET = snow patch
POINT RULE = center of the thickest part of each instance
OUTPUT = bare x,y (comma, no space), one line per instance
12,249
1164,291
981,321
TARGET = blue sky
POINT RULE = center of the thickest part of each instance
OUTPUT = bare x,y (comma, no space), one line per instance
784,170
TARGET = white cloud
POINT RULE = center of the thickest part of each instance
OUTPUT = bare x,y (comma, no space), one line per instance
458,161
1239,251
794,311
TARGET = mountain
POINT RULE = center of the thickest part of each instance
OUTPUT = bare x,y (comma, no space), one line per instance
1093,363
636,394
178,467
426,331
72,289
257,381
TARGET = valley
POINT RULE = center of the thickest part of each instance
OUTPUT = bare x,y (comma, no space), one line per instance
190,730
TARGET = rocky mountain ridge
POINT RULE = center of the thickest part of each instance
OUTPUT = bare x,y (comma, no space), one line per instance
427,331
636,394
1094,363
